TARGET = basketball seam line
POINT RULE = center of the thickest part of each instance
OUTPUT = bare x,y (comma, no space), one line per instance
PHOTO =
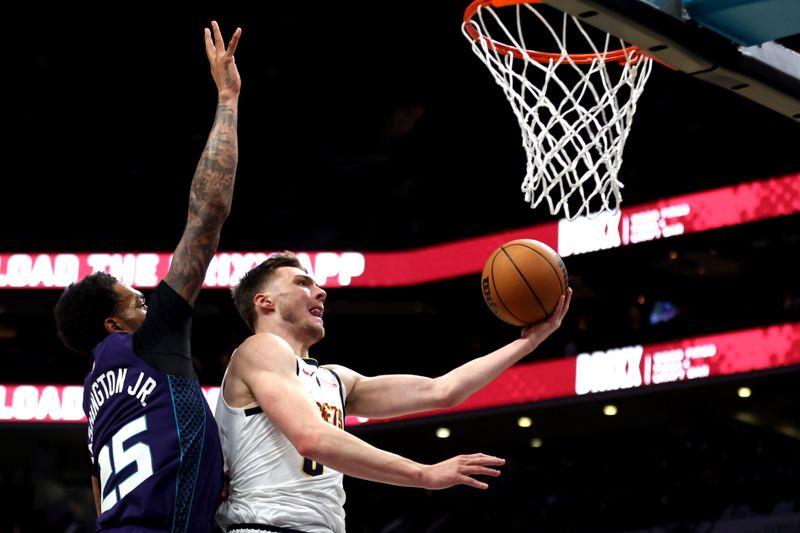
527,284
554,268
499,298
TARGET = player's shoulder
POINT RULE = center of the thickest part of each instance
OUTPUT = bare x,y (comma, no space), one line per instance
346,375
339,369
264,346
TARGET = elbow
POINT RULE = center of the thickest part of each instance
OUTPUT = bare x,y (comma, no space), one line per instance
450,401
446,396
212,211
308,444
218,207
221,214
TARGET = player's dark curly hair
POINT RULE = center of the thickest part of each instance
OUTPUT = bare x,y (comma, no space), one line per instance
81,310
252,283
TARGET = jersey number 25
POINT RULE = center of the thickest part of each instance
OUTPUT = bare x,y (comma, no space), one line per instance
114,459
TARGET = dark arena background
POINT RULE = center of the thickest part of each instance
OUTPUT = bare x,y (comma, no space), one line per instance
369,130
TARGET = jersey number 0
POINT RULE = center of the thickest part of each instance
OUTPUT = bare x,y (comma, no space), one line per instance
312,468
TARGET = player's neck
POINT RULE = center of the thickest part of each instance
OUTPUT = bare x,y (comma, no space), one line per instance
296,340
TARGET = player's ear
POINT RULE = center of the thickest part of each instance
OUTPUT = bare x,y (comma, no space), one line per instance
112,325
263,299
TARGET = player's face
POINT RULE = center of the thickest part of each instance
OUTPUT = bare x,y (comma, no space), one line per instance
300,301
131,308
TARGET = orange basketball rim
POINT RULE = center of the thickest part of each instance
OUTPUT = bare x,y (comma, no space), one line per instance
630,54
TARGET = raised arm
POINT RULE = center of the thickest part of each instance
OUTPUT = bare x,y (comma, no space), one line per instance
211,191
266,365
395,395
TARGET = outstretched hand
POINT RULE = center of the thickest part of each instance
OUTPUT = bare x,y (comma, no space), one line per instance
459,470
223,65
540,331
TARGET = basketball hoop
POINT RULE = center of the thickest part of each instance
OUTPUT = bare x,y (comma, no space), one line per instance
575,109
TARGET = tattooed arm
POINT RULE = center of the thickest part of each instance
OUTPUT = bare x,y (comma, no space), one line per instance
211,191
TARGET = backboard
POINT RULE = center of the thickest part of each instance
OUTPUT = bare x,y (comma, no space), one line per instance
751,48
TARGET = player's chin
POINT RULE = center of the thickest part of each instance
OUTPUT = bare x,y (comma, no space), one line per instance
319,331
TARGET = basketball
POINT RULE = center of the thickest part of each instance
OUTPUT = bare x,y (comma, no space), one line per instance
522,281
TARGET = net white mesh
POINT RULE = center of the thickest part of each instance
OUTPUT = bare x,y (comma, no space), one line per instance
575,112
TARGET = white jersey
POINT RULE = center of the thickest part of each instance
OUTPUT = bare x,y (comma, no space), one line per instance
271,484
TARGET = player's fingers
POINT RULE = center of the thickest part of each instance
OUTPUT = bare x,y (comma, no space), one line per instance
472,482
218,42
556,316
563,305
483,459
234,42
209,42
481,471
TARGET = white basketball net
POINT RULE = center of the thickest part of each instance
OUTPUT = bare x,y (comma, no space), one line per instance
574,117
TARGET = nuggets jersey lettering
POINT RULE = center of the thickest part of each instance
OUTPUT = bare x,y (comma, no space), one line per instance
152,442
270,482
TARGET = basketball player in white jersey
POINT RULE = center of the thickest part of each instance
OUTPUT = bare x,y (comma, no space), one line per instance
281,415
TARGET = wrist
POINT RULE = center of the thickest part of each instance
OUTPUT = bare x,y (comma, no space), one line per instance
529,343
227,97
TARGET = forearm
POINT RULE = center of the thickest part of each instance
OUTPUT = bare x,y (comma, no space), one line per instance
399,394
464,381
350,455
469,378
210,201
212,186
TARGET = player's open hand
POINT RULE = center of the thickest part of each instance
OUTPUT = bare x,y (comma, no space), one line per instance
461,469
223,65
